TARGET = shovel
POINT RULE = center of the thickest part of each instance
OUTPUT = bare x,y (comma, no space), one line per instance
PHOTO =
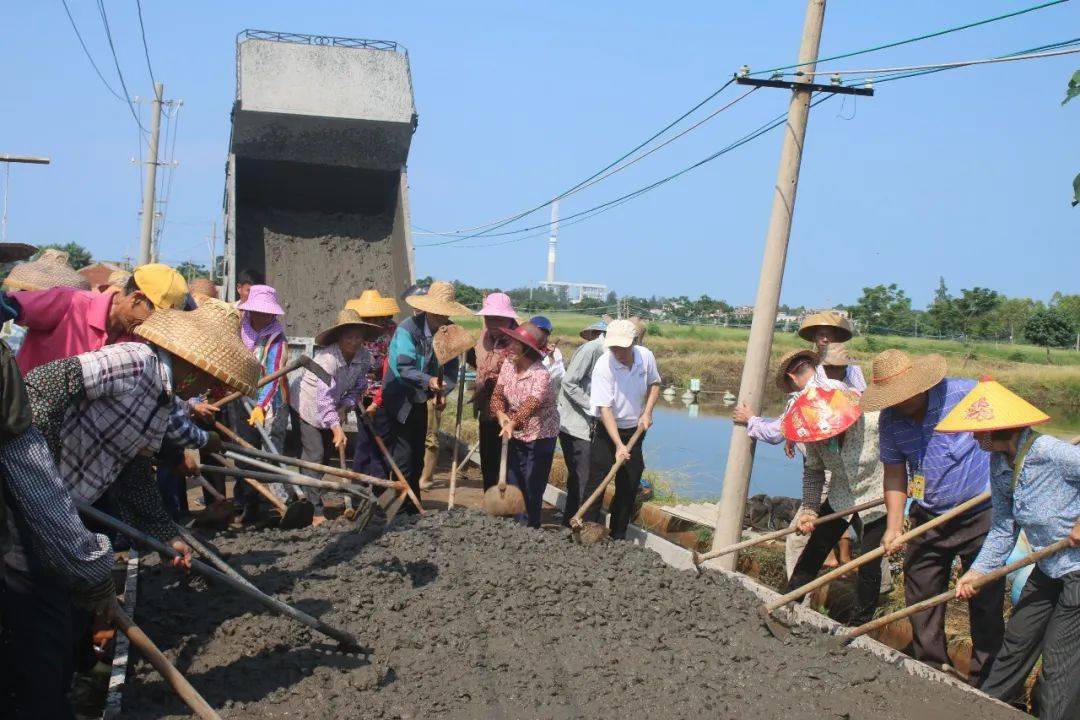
949,595
213,558
297,514
301,362
504,500
403,484
777,534
347,641
457,434
166,669
590,533
217,514
780,631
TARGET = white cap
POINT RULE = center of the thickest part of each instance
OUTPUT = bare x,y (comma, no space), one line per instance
620,333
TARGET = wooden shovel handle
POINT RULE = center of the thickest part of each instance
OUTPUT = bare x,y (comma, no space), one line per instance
777,534
457,432
264,380
259,487
209,488
149,650
877,552
403,484
949,595
599,491
502,464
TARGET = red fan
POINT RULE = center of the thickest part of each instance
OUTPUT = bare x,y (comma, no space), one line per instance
819,414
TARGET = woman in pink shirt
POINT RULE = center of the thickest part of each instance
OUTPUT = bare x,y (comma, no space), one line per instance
523,402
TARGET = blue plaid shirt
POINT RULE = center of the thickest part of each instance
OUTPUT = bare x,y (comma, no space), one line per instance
955,469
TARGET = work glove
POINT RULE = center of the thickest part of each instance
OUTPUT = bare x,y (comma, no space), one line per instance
257,418
213,442
97,599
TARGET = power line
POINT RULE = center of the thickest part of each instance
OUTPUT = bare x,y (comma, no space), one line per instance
88,55
907,41
116,62
146,47
947,65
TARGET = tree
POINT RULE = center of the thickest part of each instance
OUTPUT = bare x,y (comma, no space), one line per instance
942,314
1048,328
1012,314
1069,306
975,308
883,308
78,256
467,294
612,298
1072,91
191,270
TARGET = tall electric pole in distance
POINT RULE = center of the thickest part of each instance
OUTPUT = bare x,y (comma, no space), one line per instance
146,237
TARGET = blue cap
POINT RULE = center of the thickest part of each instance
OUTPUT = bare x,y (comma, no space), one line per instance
599,326
541,322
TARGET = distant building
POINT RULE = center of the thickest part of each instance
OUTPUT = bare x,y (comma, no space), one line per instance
575,291
743,312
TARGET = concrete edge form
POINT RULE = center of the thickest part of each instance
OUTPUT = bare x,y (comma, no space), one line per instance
681,559
123,647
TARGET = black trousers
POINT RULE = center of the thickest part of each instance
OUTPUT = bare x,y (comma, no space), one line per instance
576,452
821,541
627,479
35,648
490,451
1045,621
406,444
928,565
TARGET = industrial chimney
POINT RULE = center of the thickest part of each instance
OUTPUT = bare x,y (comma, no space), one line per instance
553,241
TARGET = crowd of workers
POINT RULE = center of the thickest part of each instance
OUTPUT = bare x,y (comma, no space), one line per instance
114,387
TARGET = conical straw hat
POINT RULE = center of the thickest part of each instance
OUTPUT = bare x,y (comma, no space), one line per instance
991,406
787,361
346,318
896,377
48,271
820,413
372,304
208,339
438,300
830,318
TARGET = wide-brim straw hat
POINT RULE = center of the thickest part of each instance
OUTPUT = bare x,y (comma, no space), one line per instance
991,406
786,361
831,318
119,278
346,319
820,413
438,300
528,335
204,338
12,252
836,355
371,303
48,271
896,376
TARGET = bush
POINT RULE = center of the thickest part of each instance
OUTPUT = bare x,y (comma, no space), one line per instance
1016,356
653,328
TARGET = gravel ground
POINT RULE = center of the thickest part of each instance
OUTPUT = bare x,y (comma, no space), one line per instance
462,615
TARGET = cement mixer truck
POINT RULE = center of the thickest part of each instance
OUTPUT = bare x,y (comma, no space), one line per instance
316,195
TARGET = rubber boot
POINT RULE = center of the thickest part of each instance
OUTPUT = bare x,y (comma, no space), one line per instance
431,457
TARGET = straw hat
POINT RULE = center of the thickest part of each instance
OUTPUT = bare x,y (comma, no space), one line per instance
345,318
225,314
438,300
782,379
204,338
991,406
829,318
203,286
10,252
836,355
372,304
48,271
896,377
119,278
820,413
528,335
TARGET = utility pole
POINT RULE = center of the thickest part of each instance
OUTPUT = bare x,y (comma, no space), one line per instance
213,248
740,458
147,235
7,160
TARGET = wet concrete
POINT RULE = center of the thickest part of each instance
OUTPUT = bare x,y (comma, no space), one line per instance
463,615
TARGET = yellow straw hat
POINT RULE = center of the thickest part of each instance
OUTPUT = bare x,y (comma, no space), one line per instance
896,377
372,304
830,318
836,355
209,339
787,361
991,406
345,319
438,300
48,271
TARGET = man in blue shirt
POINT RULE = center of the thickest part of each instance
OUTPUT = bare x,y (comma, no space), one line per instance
937,471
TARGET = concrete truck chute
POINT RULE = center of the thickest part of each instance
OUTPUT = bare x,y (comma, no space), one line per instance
316,195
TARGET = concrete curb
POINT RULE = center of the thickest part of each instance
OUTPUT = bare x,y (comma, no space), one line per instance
123,646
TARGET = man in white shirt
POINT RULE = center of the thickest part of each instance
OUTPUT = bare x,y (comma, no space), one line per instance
624,390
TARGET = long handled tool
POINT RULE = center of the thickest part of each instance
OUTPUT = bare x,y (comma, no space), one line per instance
295,515
775,535
504,500
459,467
457,434
149,650
270,603
590,533
867,557
277,476
302,361
404,484
211,557
218,513
949,595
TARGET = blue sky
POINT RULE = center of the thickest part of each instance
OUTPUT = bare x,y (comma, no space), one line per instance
964,174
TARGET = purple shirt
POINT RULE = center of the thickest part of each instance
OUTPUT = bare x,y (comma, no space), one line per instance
954,466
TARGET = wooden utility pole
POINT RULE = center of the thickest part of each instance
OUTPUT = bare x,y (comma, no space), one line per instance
740,459
213,248
146,238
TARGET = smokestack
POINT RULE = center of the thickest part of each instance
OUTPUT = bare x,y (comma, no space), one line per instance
553,241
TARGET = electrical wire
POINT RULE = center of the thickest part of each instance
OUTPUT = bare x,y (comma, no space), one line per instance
145,45
946,65
90,57
512,218
907,41
116,62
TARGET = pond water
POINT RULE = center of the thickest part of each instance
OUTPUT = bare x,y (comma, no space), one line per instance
691,452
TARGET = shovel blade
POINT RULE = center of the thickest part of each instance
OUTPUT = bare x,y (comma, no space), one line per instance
218,515
395,506
774,625
590,533
504,502
297,515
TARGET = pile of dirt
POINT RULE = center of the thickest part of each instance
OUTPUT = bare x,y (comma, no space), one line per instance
463,615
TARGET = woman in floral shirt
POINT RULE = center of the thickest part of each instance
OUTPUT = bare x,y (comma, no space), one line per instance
523,403
372,307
